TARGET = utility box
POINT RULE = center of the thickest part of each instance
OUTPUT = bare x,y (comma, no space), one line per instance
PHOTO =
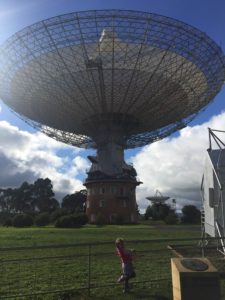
194,279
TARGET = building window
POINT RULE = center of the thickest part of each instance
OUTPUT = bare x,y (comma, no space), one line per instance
93,217
102,203
102,190
121,191
113,189
132,191
95,191
107,189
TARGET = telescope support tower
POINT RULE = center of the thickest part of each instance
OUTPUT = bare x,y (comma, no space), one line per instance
111,197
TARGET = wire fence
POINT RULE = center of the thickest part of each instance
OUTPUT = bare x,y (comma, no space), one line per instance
67,271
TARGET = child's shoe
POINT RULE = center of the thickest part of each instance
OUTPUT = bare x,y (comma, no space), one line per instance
126,290
121,279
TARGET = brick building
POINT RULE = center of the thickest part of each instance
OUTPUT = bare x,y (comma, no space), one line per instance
111,197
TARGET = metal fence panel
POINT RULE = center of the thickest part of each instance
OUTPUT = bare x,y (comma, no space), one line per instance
94,268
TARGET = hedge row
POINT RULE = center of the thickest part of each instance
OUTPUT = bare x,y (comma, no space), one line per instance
43,219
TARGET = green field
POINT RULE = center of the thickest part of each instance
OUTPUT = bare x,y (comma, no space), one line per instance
13,237
42,269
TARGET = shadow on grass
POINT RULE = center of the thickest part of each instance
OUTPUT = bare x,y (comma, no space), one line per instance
128,296
139,293
146,296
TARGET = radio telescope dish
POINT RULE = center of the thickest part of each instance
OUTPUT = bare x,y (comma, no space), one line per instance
110,80
158,198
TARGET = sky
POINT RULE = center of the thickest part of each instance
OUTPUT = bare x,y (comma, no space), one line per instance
174,165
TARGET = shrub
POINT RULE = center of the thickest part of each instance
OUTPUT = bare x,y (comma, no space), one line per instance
7,222
71,221
42,219
171,219
5,216
22,221
56,214
80,219
64,222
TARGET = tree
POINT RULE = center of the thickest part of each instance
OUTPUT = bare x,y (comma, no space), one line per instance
29,198
84,192
191,214
148,212
158,211
5,195
75,203
22,198
171,219
43,195
7,200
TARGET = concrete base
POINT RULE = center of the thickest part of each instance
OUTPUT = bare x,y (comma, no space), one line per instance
194,285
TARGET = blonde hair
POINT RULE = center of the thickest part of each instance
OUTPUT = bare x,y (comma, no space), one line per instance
119,241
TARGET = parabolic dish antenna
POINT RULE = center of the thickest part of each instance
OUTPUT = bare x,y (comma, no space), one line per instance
158,198
110,80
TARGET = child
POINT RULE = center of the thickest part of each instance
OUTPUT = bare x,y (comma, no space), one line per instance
126,257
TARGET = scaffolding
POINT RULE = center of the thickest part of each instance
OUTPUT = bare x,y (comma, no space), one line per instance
212,190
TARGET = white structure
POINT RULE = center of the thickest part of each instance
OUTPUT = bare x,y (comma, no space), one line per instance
213,189
158,198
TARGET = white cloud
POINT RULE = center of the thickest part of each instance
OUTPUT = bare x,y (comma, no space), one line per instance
79,165
174,166
26,156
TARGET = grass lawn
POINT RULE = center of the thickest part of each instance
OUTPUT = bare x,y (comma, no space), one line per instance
13,237
67,267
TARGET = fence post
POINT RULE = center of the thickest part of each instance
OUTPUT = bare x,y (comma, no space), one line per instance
89,270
